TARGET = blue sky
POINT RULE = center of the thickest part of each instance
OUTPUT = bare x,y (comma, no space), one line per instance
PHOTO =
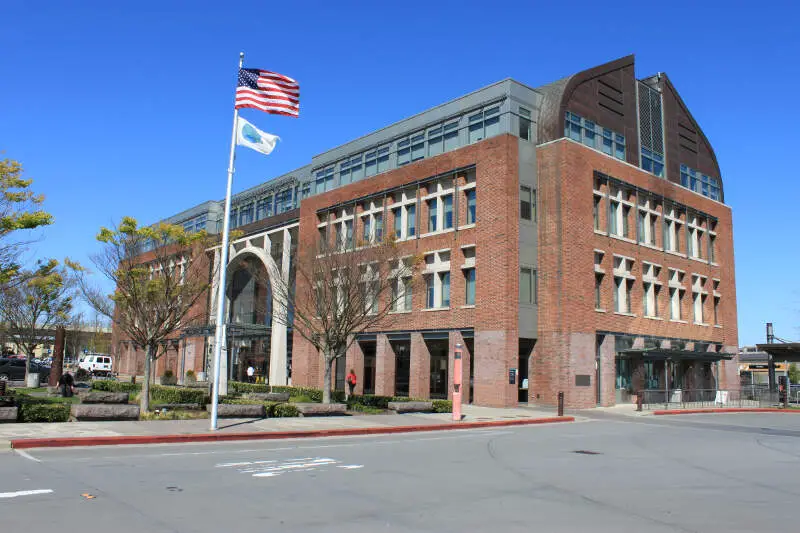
127,110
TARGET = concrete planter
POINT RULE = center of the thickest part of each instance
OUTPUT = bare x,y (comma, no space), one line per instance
33,380
228,410
8,414
105,397
320,409
100,411
411,407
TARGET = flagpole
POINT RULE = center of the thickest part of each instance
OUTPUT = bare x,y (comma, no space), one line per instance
223,267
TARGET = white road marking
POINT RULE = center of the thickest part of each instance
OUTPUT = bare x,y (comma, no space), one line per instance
27,456
350,467
24,493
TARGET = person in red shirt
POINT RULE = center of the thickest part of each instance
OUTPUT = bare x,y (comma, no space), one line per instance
351,381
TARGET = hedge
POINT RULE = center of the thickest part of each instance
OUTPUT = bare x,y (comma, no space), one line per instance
241,387
44,412
442,406
370,400
116,386
284,410
168,394
314,394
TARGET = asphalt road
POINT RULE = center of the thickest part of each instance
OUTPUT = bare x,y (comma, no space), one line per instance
723,473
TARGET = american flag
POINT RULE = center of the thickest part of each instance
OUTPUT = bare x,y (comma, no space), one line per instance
268,91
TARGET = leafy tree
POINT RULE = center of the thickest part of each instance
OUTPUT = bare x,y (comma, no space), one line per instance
20,209
34,307
336,291
159,273
794,373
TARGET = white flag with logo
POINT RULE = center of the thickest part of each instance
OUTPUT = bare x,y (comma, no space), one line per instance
252,137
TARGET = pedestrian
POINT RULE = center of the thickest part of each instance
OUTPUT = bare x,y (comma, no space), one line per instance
351,381
250,372
67,384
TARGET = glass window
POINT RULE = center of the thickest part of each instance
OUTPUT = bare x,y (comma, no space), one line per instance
403,152
524,124
469,275
435,141
356,168
525,286
417,147
470,206
475,128
261,209
598,284
379,227
398,222
371,163
491,122
246,214
653,162
367,234
407,294
448,211
234,219
411,220
450,136
383,159
432,208
429,292
525,203
445,277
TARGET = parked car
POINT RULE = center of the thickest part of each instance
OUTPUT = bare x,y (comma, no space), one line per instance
99,365
13,369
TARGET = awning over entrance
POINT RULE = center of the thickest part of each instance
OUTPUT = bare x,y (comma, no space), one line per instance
657,354
785,351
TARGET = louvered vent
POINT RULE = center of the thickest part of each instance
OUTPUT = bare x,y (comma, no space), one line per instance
650,119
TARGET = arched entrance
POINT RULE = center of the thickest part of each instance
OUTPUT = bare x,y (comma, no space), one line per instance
249,319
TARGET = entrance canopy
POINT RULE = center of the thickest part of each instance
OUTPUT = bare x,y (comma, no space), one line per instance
786,351
657,354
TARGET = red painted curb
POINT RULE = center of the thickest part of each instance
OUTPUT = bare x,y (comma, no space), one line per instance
726,410
20,444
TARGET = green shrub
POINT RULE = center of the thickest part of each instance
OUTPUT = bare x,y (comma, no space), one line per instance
369,400
190,377
442,406
168,378
82,375
115,386
43,412
284,410
168,394
241,387
367,409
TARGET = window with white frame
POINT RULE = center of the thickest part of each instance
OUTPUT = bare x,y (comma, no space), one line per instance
527,203
527,285
653,162
676,292
652,289
700,183
401,276
599,275
620,207
623,284
343,228
440,205
404,213
469,198
371,218
712,241
437,279
370,280
673,228
717,297
699,295
468,268
696,236
484,124
599,194
648,218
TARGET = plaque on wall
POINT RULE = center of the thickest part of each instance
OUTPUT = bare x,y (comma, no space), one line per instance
583,380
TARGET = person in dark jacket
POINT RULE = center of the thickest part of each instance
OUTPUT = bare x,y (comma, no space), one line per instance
67,384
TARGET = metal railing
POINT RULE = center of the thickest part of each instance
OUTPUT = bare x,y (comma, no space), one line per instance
750,396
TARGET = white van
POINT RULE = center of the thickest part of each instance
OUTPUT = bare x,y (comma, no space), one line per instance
100,365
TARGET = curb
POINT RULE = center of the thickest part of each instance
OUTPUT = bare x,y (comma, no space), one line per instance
726,410
21,444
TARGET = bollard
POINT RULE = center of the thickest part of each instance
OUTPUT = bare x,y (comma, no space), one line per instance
457,383
560,404
639,402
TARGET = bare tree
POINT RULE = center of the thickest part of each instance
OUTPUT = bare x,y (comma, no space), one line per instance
335,291
159,273
33,308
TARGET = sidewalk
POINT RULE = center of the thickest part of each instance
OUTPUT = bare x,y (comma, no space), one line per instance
151,432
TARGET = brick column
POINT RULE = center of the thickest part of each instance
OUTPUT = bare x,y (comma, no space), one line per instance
384,366
455,337
420,375
608,371
355,359
495,353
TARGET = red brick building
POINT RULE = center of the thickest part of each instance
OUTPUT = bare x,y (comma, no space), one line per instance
574,239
